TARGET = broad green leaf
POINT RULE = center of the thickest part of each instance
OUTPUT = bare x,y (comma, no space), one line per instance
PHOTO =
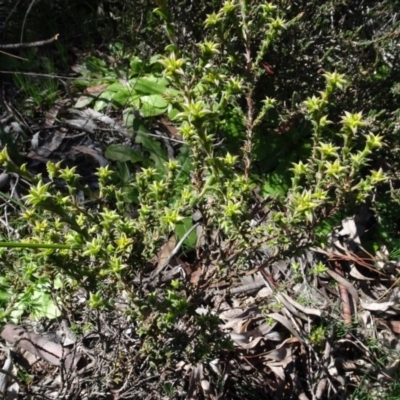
148,85
83,82
117,86
124,173
58,283
103,100
121,98
153,105
157,153
173,113
4,296
148,110
132,123
154,59
17,312
182,228
134,101
44,307
122,153
94,64
160,81
136,65
161,13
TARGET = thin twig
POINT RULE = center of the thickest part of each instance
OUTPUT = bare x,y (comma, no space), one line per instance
31,44
14,56
25,18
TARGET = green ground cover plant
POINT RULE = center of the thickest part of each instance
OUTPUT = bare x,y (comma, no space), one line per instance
233,167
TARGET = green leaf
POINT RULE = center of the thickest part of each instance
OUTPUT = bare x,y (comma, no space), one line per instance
153,105
16,313
134,124
173,113
157,153
103,101
162,13
124,173
130,194
44,307
182,228
134,101
117,87
185,161
275,184
154,59
136,65
149,85
121,98
122,153
58,283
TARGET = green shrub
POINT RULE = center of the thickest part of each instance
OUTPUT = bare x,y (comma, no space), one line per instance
214,96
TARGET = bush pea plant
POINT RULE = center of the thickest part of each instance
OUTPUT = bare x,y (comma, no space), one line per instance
105,244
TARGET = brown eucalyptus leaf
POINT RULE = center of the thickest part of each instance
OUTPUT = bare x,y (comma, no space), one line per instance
282,363
166,250
93,153
265,327
394,295
321,387
286,323
252,312
83,124
234,324
278,371
52,143
96,90
345,283
288,305
304,309
383,306
241,340
277,354
355,273
275,336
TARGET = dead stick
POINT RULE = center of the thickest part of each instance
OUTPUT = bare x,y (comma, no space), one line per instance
31,44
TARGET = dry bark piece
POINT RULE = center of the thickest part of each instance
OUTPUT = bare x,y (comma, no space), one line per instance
40,346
